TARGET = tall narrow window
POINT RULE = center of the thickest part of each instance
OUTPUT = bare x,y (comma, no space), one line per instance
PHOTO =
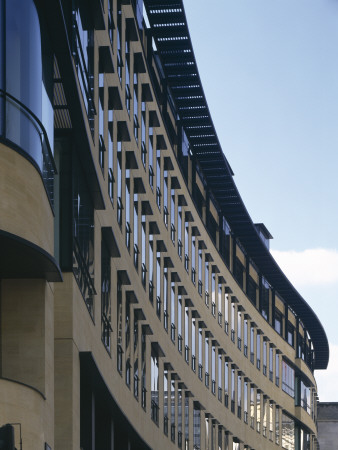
143,250
105,296
151,157
158,179
288,380
219,377
252,344
136,121
206,282
165,299
265,355
271,363
252,407
277,368
165,199
264,416
186,334
239,330
258,407
219,303
197,428
127,85
154,388
206,360
213,369
193,259
186,422
110,156
172,311
288,432
233,390
226,384
186,246
179,324
136,225
143,135
119,326
239,396
245,402
172,414
172,214
128,227
226,312
277,425
200,359
258,351
213,294
200,285
119,183
232,322
143,368
193,344
158,284
165,402
246,337
179,417
179,232
151,269
271,420
102,147
265,306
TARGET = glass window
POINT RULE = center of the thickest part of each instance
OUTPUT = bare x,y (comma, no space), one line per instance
258,351
154,388
265,305
291,334
105,296
288,432
193,344
288,379
265,355
278,321
197,428
277,368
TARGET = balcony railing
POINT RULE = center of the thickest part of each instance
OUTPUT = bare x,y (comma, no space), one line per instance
154,411
83,277
179,343
172,332
226,327
226,400
29,135
172,432
187,354
165,425
158,306
193,363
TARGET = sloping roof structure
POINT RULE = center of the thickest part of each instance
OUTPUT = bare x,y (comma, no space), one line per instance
171,34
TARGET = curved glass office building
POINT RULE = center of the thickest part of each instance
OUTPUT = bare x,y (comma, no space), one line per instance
140,305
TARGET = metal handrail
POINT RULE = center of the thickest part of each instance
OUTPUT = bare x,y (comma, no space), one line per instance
37,120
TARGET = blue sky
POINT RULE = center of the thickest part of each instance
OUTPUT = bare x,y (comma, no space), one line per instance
269,70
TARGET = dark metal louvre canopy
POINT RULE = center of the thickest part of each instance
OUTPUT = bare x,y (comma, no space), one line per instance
171,34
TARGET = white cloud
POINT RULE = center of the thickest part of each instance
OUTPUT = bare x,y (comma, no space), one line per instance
327,379
310,267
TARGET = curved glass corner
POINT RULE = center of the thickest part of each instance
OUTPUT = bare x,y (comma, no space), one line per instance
25,107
